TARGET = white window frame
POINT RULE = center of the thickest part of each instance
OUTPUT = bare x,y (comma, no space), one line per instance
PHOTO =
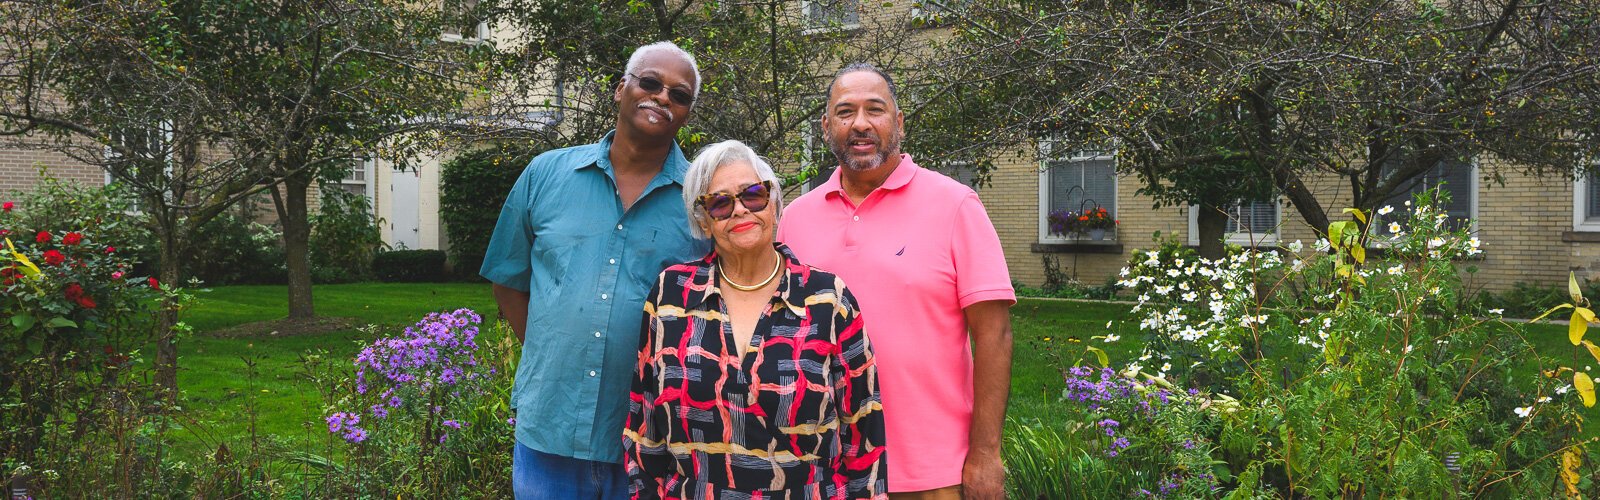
367,167
1237,238
479,35
1046,147
135,208
811,28
1581,222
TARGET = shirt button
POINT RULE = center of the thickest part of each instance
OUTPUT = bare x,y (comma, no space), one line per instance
596,334
603,296
591,373
619,227
613,261
858,217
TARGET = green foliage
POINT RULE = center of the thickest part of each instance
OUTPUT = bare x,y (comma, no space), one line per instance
472,188
344,238
233,249
409,266
1354,377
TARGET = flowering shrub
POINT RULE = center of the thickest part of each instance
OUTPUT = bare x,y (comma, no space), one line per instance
72,318
428,402
1354,376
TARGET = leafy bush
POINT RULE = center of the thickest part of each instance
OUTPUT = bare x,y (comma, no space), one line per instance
409,266
233,249
472,188
1324,374
344,238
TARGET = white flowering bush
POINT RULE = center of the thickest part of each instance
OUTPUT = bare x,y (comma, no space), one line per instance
1357,368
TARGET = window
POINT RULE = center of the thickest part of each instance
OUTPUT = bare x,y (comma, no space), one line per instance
144,144
1249,223
470,28
822,15
816,155
1586,203
1074,181
359,181
1456,177
963,171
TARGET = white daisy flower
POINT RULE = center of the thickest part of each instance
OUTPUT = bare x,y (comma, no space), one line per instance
1497,312
1524,411
1394,227
1386,210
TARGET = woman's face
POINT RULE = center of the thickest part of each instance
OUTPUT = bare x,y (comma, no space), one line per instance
744,230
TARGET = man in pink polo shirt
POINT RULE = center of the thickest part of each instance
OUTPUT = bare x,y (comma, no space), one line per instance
926,266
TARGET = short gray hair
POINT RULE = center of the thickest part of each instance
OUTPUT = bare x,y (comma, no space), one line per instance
697,181
862,67
667,47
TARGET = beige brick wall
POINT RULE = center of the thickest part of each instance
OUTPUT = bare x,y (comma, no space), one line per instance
1521,224
19,170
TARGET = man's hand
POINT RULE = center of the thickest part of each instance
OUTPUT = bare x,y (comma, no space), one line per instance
983,477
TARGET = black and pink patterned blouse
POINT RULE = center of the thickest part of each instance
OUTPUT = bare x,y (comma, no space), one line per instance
798,416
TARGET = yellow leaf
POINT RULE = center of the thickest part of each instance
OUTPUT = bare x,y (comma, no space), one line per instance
1585,387
1594,350
28,269
1571,460
1100,356
1577,326
1361,215
1572,288
1359,252
1547,313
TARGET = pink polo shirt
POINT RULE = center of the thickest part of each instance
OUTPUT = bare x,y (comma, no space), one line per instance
918,250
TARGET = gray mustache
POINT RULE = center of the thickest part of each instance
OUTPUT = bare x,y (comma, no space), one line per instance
652,105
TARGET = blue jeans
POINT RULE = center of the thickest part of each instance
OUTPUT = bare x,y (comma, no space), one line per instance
536,475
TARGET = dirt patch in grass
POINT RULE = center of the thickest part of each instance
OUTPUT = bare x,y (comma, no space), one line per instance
289,327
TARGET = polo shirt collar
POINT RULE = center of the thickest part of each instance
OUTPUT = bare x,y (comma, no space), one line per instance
898,179
599,155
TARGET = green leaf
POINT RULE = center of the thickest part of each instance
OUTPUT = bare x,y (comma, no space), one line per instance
23,322
1359,253
60,322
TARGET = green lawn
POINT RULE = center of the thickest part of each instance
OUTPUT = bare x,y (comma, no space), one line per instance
1049,334
213,377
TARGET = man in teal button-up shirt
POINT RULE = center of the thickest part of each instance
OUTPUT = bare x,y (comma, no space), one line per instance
580,240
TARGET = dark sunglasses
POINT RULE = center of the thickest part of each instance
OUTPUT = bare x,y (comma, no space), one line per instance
719,205
652,85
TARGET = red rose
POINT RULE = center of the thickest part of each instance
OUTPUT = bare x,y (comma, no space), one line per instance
74,292
72,239
155,284
53,258
7,206
111,249
43,237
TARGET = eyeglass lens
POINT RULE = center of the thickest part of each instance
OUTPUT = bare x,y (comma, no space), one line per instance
652,85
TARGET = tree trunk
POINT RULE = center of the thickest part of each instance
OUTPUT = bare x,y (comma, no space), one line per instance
1211,225
292,213
167,319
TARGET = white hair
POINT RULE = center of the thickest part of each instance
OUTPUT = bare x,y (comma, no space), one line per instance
697,181
669,48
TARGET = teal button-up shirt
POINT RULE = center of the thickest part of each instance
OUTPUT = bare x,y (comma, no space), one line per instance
564,238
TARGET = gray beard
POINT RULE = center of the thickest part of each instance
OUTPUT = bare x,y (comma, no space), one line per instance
841,151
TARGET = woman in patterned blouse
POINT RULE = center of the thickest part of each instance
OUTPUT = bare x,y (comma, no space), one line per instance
754,378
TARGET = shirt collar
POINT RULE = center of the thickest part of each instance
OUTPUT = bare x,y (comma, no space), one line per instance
901,176
599,155
792,268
